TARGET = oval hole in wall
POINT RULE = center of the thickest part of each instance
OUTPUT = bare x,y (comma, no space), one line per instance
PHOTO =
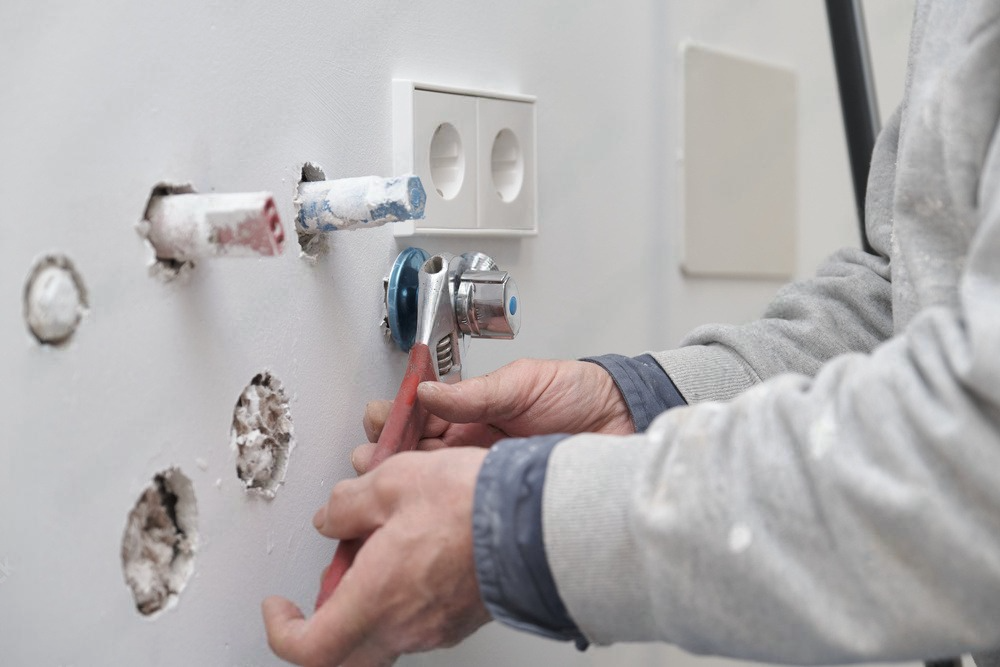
55,300
262,435
159,543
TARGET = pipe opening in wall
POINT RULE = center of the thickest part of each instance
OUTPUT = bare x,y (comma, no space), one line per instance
55,300
262,435
158,547
164,268
312,245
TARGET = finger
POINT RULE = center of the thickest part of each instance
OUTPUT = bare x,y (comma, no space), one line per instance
333,632
472,435
376,412
362,456
498,396
358,506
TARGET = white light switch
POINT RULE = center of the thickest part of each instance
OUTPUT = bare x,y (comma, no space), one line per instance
740,166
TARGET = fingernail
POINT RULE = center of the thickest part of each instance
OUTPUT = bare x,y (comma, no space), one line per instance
434,387
319,518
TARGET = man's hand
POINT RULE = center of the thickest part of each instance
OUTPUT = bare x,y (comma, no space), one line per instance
527,397
413,585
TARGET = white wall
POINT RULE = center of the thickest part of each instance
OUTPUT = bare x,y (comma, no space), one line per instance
100,100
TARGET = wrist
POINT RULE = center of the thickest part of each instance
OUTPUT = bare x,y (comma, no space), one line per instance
643,386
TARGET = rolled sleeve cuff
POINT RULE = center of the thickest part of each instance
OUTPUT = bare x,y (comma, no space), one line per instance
646,387
515,581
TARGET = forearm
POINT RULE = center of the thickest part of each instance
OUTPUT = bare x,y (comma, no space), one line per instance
807,521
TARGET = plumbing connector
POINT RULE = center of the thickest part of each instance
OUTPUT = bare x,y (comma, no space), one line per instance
442,300
367,201
188,225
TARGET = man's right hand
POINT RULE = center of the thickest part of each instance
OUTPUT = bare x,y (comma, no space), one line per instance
527,397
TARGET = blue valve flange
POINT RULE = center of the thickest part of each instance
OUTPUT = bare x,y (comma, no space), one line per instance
401,296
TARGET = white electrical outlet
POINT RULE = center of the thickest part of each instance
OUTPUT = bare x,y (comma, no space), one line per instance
506,164
474,152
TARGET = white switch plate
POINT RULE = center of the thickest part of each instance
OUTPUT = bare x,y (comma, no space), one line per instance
740,166
475,153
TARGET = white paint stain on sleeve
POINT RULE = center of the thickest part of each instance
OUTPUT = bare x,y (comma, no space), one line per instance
823,434
740,538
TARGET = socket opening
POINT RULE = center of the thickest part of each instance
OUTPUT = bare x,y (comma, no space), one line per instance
55,300
507,165
447,161
160,539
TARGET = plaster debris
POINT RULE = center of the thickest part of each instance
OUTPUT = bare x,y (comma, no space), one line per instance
312,245
55,300
161,536
262,435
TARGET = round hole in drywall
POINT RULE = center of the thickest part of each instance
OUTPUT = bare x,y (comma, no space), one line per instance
507,165
159,543
262,435
447,161
55,300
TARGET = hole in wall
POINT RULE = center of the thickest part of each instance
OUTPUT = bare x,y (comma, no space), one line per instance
158,547
163,268
55,300
447,161
262,435
507,165
312,245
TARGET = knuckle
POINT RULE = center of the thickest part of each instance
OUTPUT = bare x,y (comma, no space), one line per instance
384,481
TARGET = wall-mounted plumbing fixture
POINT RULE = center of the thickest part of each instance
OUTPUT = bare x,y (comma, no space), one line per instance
354,203
446,298
55,299
183,225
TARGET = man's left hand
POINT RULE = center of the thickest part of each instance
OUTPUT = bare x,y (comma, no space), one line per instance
413,585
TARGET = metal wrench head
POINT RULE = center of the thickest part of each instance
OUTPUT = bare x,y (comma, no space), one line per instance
437,326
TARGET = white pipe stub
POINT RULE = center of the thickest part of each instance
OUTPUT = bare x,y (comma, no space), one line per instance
366,201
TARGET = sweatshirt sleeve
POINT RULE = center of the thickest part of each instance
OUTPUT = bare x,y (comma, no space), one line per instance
846,307
849,515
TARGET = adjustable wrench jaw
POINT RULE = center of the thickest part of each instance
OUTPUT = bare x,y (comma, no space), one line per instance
437,326
444,300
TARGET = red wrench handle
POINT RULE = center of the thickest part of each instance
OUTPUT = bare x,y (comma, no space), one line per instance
402,431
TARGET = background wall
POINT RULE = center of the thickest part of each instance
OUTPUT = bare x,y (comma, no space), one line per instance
100,100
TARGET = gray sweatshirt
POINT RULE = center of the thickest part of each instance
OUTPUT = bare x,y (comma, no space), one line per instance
832,492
